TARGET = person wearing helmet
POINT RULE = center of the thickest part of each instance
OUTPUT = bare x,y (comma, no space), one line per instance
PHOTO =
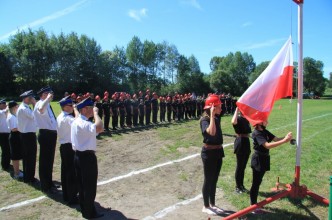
147,109
241,148
212,152
106,105
99,105
263,141
169,108
154,107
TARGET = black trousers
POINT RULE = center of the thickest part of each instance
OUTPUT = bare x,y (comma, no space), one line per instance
107,121
147,116
257,177
47,142
5,151
135,117
115,120
154,115
212,166
129,119
87,173
29,145
169,114
141,117
68,175
241,163
122,118
162,115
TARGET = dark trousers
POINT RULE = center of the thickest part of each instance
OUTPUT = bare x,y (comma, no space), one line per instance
135,117
162,116
141,117
129,119
87,173
47,143
68,175
241,163
107,121
122,118
115,120
147,116
169,114
257,177
212,167
5,151
29,145
154,115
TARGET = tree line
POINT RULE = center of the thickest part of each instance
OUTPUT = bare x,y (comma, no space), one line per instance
69,62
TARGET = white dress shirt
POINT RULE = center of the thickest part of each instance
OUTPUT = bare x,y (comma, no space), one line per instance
11,121
64,121
83,134
25,119
45,120
3,123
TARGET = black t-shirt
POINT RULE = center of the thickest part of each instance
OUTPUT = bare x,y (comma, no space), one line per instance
147,104
242,126
260,138
154,103
208,139
106,107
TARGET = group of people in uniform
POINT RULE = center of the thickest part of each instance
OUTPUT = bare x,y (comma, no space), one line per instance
77,137
212,153
141,109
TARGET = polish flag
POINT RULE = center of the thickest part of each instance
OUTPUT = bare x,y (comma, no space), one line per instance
274,83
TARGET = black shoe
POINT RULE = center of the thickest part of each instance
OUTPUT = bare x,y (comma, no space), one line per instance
238,190
74,201
51,191
115,129
243,189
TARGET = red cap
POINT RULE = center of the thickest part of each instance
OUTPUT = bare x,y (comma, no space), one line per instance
212,100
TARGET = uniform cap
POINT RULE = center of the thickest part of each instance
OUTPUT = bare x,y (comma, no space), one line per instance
45,89
2,101
65,101
27,94
84,103
212,100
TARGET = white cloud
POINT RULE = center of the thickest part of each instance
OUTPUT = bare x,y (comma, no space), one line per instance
246,24
193,3
45,19
267,43
137,14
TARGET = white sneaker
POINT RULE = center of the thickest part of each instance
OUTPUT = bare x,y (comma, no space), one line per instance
208,211
217,210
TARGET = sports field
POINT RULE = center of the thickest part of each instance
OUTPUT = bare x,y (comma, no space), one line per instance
156,172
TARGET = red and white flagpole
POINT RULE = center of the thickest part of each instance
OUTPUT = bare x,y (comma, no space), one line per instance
299,92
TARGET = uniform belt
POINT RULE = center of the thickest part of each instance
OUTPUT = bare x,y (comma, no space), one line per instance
242,135
261,153
211,146
85,152
47,130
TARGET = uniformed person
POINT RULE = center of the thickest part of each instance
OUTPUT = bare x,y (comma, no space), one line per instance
169,108
135,110
141,108
47,136
122,111
147,109
162,106
83,138
68,176
241,148
4,136
16,152
154,107
99,105
260,160
212,152
129,110
107,113
115,112
27,127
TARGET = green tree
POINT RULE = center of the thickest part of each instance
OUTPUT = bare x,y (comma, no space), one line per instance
258,70
313,79
7,86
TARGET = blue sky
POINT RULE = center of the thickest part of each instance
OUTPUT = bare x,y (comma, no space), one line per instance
204,28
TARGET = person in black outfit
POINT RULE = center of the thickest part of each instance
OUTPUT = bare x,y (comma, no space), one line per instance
122,110
141,109
162,106
107,113
212,152
115,111
99,105
129,110
169,108
260,160
135,110
147,109
154,105
241,148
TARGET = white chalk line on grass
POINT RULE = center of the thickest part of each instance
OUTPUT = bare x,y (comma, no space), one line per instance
162,213
27,202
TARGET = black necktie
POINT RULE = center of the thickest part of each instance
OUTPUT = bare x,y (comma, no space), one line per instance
52,110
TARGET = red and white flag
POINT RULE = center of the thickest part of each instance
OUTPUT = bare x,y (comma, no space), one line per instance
274,83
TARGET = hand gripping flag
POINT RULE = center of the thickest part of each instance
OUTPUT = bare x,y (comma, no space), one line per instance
274,83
